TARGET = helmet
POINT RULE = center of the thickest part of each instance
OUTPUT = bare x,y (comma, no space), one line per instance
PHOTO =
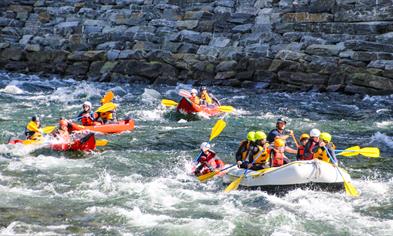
260,135
304,136
203,88
194,91
251,136
35,118
63,123
315,133
325,137
279,142
205,145
87,104
279,120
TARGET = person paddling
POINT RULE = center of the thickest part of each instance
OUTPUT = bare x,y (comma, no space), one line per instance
87,116
33,129
277,153
208,161
311,145
245,147
194,97
300,150
62,131
325,141
207,98
106,117
280,132
260,152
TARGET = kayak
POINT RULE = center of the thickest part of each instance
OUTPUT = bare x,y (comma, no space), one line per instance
313,174
86,143
188,107
215,164
118,127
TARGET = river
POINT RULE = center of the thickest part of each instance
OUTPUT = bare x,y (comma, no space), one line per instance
140,183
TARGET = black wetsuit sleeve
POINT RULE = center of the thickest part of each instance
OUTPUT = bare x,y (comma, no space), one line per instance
239,152
251,153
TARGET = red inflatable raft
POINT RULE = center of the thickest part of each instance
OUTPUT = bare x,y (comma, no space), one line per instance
188,107
120,126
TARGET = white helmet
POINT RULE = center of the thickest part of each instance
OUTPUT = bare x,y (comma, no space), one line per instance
87,104
205,145
194,91
315,133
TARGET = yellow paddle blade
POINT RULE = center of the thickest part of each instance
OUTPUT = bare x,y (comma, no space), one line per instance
101,142
28,141
107,107
226,108
208,176
352,151
217,129
350,189
372,152
234,185
168,103
107,97
263,171
48,129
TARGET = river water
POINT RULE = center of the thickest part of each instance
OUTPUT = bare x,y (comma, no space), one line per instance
140,183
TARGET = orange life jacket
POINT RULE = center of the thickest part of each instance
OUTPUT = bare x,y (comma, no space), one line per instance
87,120
278,158
195,99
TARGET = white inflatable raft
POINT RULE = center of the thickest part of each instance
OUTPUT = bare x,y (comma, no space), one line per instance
314,174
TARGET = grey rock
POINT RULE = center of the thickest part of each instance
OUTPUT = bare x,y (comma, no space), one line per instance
226,66
187,24
386,38
110,45
242,28
87,56
25,39
4,45
226,3
219,42
78,68
208,51
131,54
381,64
263,3
240,18
359,45
290,55
223,10
325,50
33,47
113,54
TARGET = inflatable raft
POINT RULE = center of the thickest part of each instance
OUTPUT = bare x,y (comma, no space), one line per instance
120,126
313,174
85,143
187,107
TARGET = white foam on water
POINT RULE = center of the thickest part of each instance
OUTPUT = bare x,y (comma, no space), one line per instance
182,121
384,124
19,149
150,115
44,162
382,138
12,89
150,96
241,112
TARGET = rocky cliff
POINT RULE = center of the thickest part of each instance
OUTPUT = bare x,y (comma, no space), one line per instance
325,45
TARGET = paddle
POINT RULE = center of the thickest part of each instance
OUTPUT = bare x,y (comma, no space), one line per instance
184,93
101,142
168,103
210,175
226,108
294,139
107,97
33,127
48,129
216,130
349,188
107,107
371,152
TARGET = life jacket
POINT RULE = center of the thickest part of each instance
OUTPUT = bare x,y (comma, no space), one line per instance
206,98
105,116
206,158
321,152
262,156
277,158
300,152
87,119
195,100
244,153
308,149
32,132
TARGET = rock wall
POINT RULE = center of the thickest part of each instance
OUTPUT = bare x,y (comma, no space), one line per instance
333,45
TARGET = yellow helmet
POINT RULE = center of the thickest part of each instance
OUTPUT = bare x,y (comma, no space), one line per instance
251,136
279,142
260,135
325,137
304,136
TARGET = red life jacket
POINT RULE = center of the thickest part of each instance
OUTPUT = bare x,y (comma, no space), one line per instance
308,149
87,120
278,158
300,152
206,158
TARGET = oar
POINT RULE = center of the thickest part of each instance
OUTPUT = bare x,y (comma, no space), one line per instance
371,152
107,97
28,141
235,184
294,139
226,108
184,93
349,188
210,175
168,103
48,129
101,142
216,130
107,107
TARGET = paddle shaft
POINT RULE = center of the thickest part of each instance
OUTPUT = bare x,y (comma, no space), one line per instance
294,139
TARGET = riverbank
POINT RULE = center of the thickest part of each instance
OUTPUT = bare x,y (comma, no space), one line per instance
319,45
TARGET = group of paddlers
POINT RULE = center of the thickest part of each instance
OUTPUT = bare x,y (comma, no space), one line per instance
261,151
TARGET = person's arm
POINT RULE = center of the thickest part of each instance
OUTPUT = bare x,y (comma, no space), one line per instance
239,153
